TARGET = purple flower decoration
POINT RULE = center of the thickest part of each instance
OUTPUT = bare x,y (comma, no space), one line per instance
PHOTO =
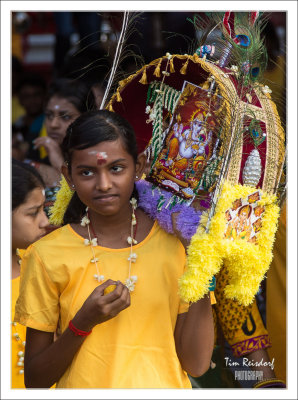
156,202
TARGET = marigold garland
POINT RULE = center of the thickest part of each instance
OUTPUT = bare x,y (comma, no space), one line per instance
63,198
246,262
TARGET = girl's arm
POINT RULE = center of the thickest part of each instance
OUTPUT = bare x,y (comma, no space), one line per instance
46,360
194,337
194,331
49,174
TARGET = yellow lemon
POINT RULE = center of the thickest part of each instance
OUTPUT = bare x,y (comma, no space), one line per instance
109,289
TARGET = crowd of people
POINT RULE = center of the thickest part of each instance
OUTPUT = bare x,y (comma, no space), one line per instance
119,313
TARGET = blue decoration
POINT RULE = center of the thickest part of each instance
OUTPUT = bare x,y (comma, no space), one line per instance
256,132
206,50
212,284
255,72
243,40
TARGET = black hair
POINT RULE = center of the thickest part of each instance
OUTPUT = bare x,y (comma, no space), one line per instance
95,127
31,79
75,91
25,178
16,65
88,130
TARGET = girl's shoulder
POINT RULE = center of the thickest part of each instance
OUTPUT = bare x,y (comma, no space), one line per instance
145,225
58,232
157,234
57,239
59,247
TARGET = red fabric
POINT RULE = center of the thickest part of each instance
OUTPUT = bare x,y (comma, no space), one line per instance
226,22
134,95
248,146
248,143
253,15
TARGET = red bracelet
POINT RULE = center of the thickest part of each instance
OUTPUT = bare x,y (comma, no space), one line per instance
77,331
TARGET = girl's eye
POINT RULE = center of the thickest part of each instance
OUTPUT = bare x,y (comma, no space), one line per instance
66,117
117,168
34,213
87,173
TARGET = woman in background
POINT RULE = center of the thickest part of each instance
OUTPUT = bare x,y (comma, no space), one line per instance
67,99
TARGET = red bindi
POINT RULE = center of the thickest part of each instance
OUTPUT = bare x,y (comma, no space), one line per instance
101,157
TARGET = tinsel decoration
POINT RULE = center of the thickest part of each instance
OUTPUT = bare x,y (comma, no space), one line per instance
143,80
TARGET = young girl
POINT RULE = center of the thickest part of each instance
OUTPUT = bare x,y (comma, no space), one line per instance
109,279
28,224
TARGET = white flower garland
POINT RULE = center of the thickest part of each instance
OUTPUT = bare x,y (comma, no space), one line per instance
131,280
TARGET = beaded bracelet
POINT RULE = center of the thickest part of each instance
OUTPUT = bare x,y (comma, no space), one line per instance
77,331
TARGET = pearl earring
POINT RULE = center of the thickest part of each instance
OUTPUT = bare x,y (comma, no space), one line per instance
137,177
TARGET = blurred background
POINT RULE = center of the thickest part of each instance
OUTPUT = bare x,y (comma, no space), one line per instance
52,44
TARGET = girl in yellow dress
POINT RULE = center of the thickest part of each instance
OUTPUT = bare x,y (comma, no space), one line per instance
108,279
28,224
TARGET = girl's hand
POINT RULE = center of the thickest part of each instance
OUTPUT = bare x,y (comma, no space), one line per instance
53,149
99,308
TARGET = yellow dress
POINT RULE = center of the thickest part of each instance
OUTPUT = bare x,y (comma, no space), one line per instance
17,346
136,349
18,338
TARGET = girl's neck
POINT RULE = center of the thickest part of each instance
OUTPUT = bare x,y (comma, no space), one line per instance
15,266
105,224
111,231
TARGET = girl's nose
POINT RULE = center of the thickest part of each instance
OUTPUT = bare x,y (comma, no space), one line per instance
44,221
103,182
55,122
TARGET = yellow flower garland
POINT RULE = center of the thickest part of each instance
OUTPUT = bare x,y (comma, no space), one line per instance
246,262
63,198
